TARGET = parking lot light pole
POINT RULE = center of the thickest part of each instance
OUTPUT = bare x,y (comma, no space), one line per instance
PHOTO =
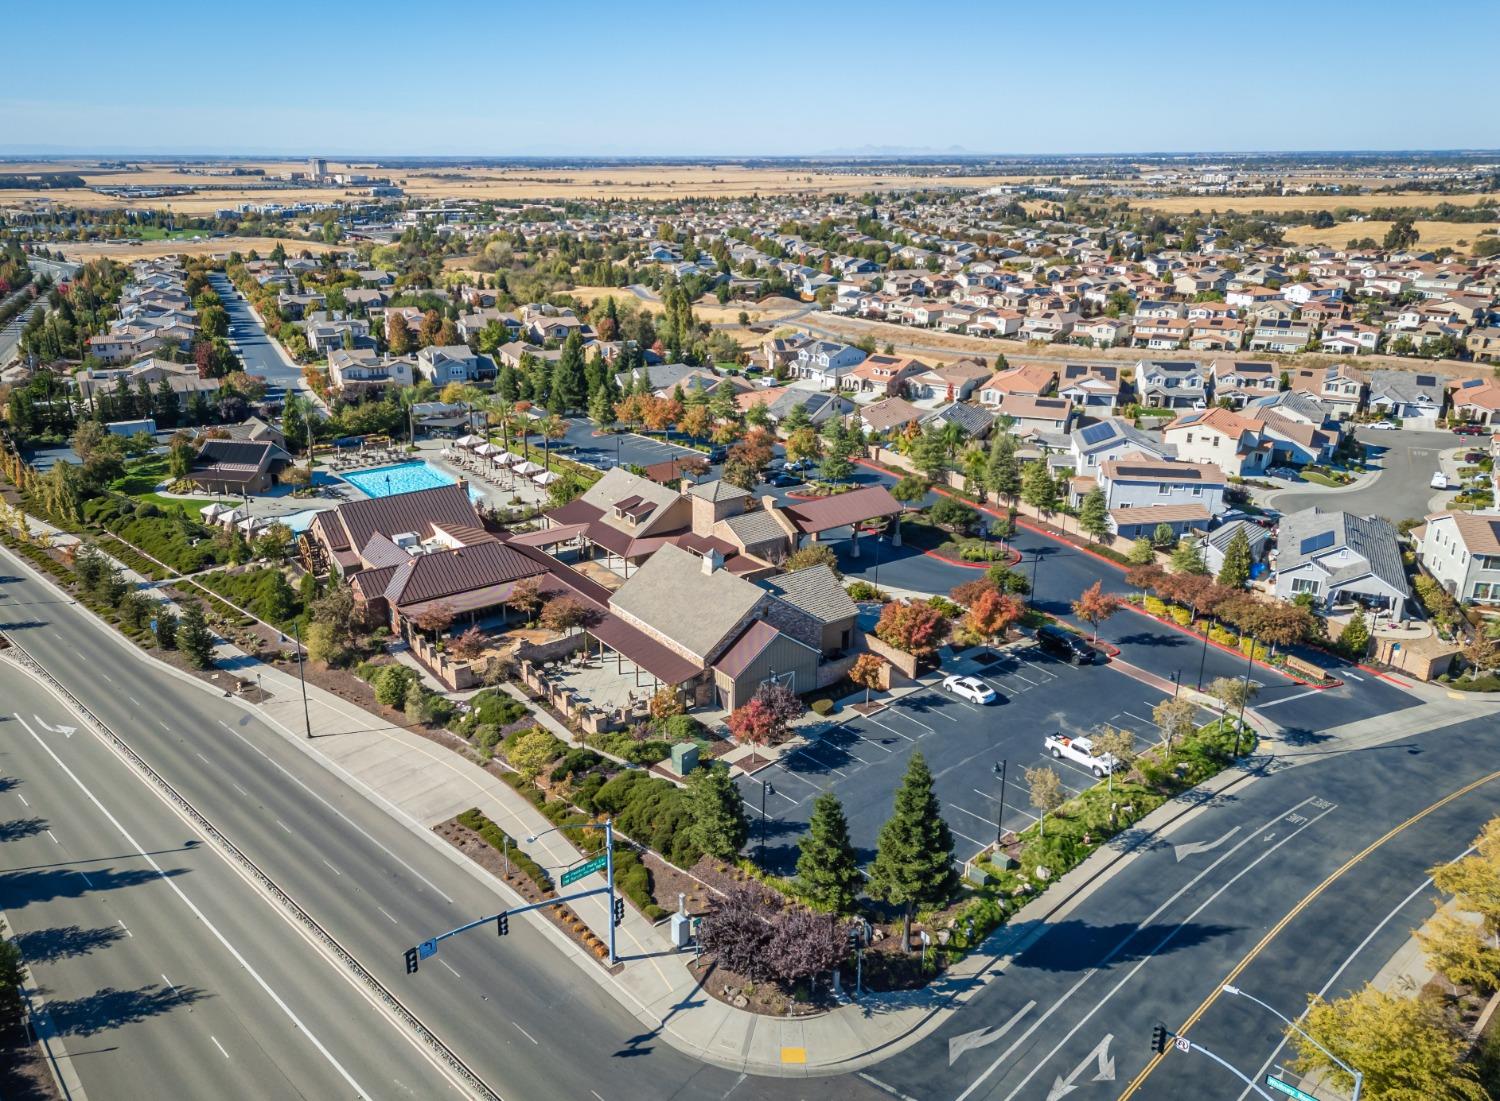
1035,558
999,770
766,788
1359,1079
1176,682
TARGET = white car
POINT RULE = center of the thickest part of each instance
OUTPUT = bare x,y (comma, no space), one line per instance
1080,751
1381,426
1439,481
970,688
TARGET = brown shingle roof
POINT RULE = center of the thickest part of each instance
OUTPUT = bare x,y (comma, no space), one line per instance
451,572
839,511
351,525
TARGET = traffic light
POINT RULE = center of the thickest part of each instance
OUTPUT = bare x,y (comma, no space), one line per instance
411,961
502,923
1159,1038
619,910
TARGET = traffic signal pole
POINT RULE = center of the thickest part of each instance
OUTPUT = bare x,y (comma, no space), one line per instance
429,948
1160,1035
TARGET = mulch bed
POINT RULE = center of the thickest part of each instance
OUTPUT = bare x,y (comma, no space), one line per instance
482,853
24,1074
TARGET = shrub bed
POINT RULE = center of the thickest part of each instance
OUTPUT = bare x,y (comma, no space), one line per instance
496,838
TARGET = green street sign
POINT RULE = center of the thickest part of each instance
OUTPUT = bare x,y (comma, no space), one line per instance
573,875
1287,1088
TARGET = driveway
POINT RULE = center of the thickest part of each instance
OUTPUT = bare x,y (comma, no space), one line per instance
863,759
1404,462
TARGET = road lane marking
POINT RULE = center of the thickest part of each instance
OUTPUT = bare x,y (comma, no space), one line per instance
122,925
1147,957
282,824
52,835
241,790
86,879
1291,914
202,758
340,814
197,913
107,677
1350,676
168,981
526,1034
1288,699
387,913
219,1046
334,870
1118,948
456,975
21,797
983,1037
133,700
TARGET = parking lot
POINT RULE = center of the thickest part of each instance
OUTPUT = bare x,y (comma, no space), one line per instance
862,759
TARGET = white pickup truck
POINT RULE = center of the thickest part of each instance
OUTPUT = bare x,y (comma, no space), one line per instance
1080,751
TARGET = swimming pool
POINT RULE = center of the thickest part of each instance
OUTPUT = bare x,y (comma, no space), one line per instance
387,481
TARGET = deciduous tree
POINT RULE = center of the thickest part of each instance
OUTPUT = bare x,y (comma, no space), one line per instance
868,671
992,612
1046,791
1095,605
1174,718
915,628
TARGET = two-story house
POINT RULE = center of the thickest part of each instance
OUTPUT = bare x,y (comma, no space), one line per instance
1032,380
1143,493
442,364
1170,384
1094,389
1339,560
1240,380
825,362
1221,437
1462,550
1113,438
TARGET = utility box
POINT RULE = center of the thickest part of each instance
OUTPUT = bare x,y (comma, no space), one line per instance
682,930
684,758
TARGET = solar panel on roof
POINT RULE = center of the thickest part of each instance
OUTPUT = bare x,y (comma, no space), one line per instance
1094,433
1314,543
1426,380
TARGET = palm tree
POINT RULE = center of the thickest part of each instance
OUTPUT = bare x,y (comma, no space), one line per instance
553,428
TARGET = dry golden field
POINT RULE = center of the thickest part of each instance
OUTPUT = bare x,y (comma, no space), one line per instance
521,183
126,251
706,308
1187,204
1433,234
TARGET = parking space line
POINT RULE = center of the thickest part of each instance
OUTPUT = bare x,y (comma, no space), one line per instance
1137,718
892,729
790,775
872,742
970,840
971,814
912,718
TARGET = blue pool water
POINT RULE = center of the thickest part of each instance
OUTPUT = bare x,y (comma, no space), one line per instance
387,481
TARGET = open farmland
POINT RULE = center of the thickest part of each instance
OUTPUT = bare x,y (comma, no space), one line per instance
126,251
1280,204
1432,234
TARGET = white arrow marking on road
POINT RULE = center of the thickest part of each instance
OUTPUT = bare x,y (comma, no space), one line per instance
66,731
982,1036
1105,1073
1193,848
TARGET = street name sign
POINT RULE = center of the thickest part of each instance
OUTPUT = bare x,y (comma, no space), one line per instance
573,875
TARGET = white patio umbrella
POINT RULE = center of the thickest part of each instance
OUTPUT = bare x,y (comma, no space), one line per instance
528,469
470,440
546,477
504,458
486,450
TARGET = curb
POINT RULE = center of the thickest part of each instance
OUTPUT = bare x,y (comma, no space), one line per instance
1238,653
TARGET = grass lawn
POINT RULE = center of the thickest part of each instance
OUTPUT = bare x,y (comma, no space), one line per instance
140,480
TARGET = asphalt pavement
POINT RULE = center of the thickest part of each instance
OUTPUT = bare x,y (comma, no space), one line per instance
1404,462
518,1012
248,336
163,971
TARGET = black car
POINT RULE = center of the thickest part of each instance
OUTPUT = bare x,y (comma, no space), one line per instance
718,453
1066,645
783,478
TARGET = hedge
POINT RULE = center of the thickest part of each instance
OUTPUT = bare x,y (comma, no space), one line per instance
496,838
651,810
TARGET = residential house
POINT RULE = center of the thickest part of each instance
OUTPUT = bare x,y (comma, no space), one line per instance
1475,400
1281,336
973,421
825,362
1340,559
1032,380
1113,438
1413,396
882,374
1170,384
1094,389
366,370
954,381
1462,551
1240,380
890,415
442,364
1340,388
1216,542
1051,415
1226,439
1143,493
238,467
1103,332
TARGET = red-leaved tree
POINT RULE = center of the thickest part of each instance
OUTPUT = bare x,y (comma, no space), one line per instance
765,718
992,612
912,628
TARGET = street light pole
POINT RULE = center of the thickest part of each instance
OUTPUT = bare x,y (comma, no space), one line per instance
1203,658
302,677
999,770
1244,696
1176,682
1035,558
1359,1078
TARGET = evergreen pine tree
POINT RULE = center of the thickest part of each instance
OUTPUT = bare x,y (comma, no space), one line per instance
1093,514
1236,568
194,638
568,389
914,854
716,814
827,869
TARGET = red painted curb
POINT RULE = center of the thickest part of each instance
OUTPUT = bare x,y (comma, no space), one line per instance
1174,625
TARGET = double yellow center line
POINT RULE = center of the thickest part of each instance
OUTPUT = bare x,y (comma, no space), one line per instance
1292,914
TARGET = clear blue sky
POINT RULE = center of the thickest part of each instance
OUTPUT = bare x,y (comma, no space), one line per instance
746,77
